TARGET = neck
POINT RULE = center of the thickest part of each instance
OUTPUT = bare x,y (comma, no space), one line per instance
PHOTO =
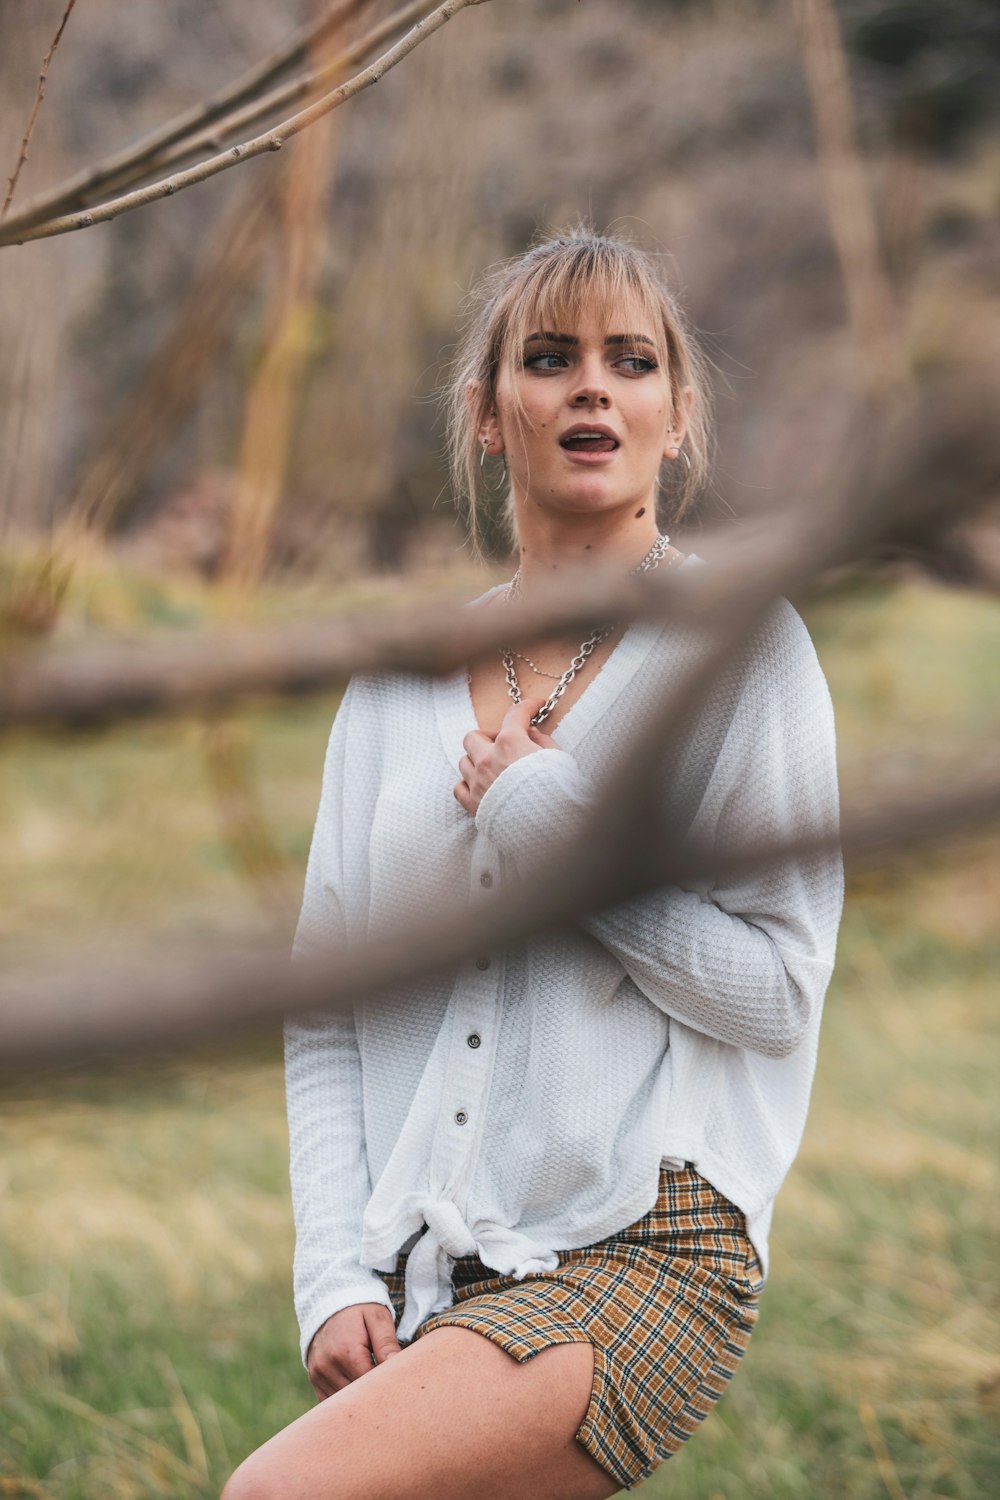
546,549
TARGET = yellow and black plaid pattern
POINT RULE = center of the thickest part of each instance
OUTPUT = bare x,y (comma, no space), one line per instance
669,1305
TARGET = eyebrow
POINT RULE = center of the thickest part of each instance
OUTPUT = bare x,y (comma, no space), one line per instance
569,339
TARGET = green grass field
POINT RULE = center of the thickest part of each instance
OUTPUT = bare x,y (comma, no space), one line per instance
146,1327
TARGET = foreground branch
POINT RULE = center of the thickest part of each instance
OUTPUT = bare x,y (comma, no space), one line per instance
83,686
615,857
145,1006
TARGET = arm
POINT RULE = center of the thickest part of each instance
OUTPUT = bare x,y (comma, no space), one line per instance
328,1164
748,959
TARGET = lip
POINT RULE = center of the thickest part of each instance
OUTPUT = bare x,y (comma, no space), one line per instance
598,427
579,457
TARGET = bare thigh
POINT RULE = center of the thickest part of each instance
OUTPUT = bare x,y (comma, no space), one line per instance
451,1417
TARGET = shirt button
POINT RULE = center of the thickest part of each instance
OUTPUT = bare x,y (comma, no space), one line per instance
460,1117
486,878
474,1039
482,963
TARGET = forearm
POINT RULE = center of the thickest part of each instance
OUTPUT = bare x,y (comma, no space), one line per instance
717,972
328,1169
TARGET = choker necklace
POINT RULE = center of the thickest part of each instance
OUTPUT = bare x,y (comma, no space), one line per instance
655,554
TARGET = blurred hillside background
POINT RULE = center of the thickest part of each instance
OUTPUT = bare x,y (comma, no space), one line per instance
280,332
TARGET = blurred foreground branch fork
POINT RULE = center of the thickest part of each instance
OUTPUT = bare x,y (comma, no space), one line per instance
144,1007
70,206
919,485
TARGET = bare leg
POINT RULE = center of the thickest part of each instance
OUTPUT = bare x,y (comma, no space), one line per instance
451,1417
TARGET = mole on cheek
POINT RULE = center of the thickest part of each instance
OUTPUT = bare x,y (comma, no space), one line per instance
640,512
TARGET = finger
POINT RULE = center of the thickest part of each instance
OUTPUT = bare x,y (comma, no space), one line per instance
355,1360
321,1383
382,1332
539,737
476,741
517,717
463,795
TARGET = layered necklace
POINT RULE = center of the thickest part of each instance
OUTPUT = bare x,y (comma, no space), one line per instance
653,557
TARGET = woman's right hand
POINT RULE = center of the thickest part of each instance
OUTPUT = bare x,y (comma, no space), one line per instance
349,1344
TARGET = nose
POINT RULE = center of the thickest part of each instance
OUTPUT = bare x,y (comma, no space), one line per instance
591,390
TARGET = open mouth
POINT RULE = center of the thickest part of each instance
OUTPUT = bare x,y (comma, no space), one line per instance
588,440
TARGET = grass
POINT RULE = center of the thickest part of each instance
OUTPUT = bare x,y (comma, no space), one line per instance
147,1340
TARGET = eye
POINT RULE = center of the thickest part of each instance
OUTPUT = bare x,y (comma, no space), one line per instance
539,361
638,364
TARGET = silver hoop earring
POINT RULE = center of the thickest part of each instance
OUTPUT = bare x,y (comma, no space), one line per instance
503,476
687,461
482,456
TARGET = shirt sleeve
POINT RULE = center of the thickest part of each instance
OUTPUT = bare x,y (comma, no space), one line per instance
745,958
328,1163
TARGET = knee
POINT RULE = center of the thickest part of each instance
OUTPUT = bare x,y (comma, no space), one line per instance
252,1481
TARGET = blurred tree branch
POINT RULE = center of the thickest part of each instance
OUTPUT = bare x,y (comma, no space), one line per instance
267,429
176,373
870,303
63,1017
15,231
917,485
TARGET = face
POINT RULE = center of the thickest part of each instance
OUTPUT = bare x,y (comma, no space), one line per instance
596,418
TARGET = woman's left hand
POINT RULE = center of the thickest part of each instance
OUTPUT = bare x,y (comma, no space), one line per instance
485,757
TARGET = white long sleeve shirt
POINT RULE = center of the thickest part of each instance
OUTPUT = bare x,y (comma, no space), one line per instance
522,1103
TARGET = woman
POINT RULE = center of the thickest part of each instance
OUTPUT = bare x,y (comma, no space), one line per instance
532,1194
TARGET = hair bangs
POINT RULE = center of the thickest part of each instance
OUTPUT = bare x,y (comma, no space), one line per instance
585,282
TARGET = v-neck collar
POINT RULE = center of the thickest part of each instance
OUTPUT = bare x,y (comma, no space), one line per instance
453,701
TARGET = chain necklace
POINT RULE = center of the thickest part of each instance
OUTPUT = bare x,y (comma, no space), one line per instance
655,554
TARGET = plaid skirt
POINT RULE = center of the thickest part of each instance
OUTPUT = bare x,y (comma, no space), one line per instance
669,1304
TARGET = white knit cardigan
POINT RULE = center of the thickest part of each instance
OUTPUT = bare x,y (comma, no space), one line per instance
522,1103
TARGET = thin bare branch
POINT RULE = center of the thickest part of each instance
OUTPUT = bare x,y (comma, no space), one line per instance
39,96
211,134
310,85
80,190
271,140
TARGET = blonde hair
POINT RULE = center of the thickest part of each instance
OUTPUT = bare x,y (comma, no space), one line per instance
549,286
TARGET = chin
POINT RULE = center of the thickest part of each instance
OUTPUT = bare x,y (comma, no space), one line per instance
599,498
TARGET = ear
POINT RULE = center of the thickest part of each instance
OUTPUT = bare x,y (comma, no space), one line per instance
488,432
682,417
